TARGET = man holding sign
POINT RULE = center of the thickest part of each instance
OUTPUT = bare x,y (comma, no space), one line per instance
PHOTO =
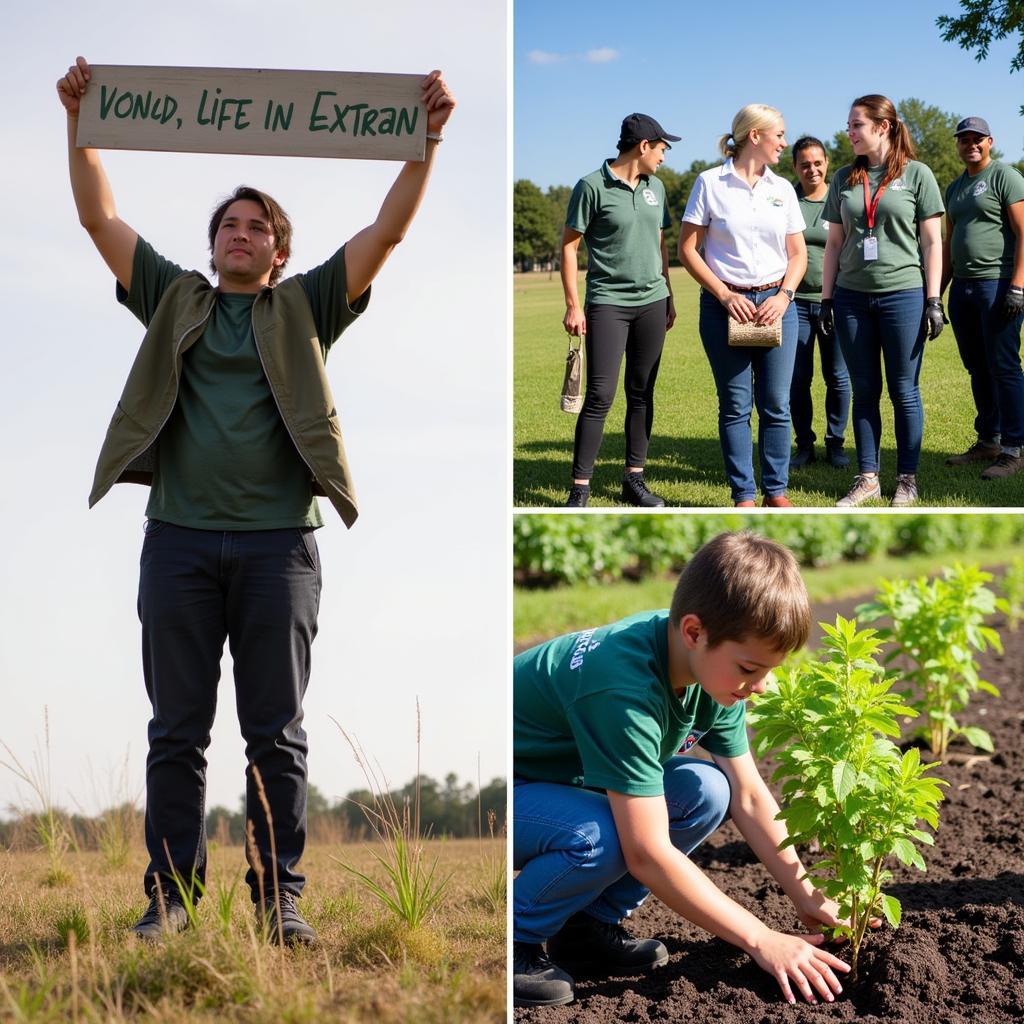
228,415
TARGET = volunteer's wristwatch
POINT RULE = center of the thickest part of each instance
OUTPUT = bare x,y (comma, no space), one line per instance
788,292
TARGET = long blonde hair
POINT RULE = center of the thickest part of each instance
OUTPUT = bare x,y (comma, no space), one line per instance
753,117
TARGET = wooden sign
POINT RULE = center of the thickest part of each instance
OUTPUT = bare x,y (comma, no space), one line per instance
275,113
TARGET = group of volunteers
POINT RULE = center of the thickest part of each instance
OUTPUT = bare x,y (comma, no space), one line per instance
858,263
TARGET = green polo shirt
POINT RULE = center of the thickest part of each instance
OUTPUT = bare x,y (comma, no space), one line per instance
622,227
224,459
596,709
982,242
815,235
909,199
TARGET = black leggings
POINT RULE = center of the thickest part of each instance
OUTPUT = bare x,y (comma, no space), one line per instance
639,331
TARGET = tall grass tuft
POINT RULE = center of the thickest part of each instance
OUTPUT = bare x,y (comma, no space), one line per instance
114,830
412,888
50,828
493,887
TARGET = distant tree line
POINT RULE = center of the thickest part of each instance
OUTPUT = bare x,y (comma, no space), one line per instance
446,809
538,217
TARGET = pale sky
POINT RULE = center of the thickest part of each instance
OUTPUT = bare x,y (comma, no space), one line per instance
415,595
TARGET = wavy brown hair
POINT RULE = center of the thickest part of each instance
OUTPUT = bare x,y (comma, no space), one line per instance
742,585
280,225
901,146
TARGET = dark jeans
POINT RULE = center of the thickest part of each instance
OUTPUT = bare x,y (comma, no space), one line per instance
875,329
745,377
833,369
639,332
260,590
990,349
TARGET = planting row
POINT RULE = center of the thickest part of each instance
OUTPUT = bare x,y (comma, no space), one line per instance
569,549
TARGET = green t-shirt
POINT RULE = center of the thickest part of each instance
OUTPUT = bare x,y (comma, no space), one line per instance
596,709
224,459
815,236
622,227
982,242
907,200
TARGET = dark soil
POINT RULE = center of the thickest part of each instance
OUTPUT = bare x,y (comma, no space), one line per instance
958,955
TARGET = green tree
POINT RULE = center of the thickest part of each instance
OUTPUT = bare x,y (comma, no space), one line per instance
534,236
983,21
932,131
678,185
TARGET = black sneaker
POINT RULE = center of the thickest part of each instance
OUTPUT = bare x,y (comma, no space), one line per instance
164,916
579,495
295,929
835,456
636,492
803,456
536,981
596,945
980,451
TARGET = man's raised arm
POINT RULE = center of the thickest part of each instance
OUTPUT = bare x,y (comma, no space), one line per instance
367,251
97,213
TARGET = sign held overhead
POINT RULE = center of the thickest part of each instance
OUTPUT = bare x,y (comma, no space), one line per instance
347,114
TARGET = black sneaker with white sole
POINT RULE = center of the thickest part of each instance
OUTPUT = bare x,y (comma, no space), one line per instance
584,942
536,981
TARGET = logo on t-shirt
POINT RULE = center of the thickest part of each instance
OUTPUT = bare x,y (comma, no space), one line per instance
649,197
980,189
898,185
583,646
774,201
691,741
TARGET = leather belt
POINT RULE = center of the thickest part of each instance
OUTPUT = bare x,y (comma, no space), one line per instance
753,287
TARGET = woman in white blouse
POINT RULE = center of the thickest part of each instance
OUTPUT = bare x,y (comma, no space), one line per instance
742,240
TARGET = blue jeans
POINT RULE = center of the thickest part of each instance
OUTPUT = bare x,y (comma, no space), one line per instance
260,591
746,377
568,854
833,369
875,329
990,349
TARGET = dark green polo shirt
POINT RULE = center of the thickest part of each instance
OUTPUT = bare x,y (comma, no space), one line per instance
622,227
597,709
815,236
909,199
982,242
224,459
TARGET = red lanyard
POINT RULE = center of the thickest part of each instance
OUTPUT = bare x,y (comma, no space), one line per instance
871,207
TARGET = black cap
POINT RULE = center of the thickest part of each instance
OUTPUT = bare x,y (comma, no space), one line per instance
973,124
638,127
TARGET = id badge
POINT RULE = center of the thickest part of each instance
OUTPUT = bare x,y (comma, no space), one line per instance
870,248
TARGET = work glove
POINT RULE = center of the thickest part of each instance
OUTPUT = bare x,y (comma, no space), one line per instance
934,317
1013,305
826,319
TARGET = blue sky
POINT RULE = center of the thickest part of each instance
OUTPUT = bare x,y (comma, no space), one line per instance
579,68
415,595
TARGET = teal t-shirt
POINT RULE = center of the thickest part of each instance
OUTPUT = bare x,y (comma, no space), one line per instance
907,200
224,459
622,227
982,243
596,709
815,236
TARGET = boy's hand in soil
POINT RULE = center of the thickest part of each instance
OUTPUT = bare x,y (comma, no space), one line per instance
797,958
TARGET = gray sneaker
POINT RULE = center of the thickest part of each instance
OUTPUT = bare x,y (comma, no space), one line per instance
1006,465
980,451
906,490
864,488
162,917
295,929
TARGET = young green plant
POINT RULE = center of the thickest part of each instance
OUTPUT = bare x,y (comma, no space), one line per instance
938,626
847,786
1013,590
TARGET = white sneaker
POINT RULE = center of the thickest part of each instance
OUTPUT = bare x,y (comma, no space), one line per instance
864,488
906,490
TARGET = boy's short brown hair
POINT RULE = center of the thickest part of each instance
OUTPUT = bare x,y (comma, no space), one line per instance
743,585
280,225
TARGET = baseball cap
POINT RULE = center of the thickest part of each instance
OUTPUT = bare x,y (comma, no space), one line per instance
638,127
973,124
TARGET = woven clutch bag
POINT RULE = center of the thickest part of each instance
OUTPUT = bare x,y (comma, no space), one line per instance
755,335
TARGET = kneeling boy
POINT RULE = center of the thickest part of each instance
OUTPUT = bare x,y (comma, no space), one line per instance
606,807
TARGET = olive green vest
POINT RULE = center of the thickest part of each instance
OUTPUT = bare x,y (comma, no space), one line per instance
289,350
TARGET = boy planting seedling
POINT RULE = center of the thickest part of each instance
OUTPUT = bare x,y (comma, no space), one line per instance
607,806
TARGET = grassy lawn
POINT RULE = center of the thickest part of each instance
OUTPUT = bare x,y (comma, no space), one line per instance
685,460
541,614
367,966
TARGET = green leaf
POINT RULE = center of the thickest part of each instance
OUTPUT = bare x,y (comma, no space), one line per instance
844,779
892,910
977,737
904,850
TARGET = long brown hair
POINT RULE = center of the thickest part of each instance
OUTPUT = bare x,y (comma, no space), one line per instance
280,225
901,146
